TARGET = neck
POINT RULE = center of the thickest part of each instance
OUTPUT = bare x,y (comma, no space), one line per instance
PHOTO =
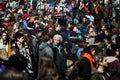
100,69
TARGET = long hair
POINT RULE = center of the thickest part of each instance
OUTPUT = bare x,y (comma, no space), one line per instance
88,49
48,70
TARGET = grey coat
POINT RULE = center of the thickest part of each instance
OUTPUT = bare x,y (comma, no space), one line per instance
44,49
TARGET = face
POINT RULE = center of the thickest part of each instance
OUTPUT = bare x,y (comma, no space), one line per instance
4,36
93,51
39,34
106,32
21,39
117,52
104,62
103,28
58,28
16,29
91,29
50,29
75,29
84,20
69,25
56,42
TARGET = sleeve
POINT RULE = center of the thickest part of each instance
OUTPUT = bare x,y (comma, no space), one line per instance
95,77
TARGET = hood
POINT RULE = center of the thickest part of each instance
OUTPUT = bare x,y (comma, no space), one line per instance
43,45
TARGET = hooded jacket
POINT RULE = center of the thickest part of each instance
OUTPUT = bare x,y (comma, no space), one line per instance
45,49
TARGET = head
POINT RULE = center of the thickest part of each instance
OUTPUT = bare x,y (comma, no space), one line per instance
46,62
17,61
57,27
4,36
84,19
47,38
92,49
75,28
48,74
19,37
48,69
13,74
57,39
101,61
16,27
117,53
103,28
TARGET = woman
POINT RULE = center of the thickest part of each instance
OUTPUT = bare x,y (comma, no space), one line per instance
48,70
23,48
86,63
4,46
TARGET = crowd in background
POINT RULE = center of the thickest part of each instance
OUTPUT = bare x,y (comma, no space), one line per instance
59,40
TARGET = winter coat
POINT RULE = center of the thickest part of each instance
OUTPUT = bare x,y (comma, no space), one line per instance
85,66
44,49
100,76
60,59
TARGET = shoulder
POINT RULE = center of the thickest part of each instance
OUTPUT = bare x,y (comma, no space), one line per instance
84,62
96,75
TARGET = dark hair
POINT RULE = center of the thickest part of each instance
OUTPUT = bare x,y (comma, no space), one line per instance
13,74
18,35
47,61
7,36
48,70
47,37
89,48
17,61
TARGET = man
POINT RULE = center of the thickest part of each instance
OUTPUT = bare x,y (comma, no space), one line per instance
100,73
44,48
59,55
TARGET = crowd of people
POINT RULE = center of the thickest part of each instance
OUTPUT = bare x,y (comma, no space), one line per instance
59,40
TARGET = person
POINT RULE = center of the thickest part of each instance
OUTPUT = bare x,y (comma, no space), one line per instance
44,48
59,55
13,74
91,36
36,41
4,46
87,63
23,48
100,73
48,70
16,61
